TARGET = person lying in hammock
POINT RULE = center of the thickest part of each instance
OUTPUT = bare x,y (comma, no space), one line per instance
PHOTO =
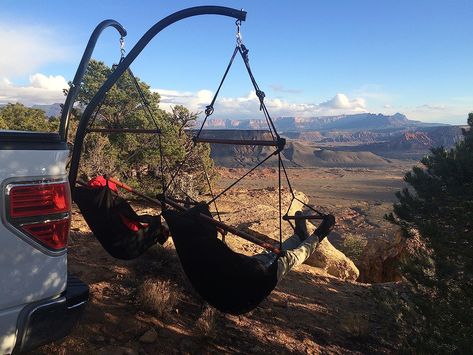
120,230
130,219
230,281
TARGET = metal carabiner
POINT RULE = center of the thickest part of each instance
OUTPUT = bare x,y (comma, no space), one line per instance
239,38
122,48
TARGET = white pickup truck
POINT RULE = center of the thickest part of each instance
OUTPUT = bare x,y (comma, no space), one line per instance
39,302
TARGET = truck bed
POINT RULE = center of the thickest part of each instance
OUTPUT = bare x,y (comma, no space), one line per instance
22,140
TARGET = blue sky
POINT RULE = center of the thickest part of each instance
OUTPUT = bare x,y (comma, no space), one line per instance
310,57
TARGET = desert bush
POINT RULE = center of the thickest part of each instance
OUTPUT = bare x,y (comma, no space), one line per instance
205,324
157,296
356,325
98,157
353,247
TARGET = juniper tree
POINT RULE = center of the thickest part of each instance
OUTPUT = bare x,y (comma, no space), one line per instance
16,116
438,207
137,157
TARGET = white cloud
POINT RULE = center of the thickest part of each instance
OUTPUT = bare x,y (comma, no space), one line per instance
248,106
194,101
41,89
438,113
26,47
283,89
341,101
51,82
374,92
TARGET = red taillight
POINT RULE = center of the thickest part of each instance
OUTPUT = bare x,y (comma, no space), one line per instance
53,234
41,211
41,199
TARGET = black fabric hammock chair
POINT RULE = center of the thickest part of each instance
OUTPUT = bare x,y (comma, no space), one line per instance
106,214
229,281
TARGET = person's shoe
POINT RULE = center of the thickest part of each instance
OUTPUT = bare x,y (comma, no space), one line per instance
163,235
325,227
301,227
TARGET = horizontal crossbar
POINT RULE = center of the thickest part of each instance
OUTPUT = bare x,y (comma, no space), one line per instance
311,216
269,143
188,202
124,130
202,216
227,228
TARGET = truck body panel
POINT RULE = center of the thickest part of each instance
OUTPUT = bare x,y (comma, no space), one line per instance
29,272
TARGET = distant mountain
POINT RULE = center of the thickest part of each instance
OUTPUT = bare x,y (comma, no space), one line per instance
295,154
412,143
356,122
358,149
53,110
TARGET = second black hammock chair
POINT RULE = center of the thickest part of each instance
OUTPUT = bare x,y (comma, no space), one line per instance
105,212
229,281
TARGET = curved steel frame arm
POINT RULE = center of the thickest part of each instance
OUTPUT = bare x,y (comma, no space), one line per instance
75,86
125,63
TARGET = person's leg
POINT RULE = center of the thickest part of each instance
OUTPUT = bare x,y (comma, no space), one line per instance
292,242
304,250
296,256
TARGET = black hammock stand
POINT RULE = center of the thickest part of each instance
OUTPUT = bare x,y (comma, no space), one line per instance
230,281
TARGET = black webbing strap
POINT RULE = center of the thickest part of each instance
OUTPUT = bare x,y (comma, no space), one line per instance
208,111
241,178
280,199
153,119
143,99
259,93
294,198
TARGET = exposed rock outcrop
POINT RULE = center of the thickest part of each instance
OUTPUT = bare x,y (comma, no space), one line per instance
380,258
333,261
258,214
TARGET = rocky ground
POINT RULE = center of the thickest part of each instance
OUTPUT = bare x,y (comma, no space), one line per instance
310,311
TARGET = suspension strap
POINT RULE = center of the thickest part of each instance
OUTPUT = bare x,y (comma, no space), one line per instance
241,178
209,109
259,93
280,200
143,99
149,113
122,55
209,184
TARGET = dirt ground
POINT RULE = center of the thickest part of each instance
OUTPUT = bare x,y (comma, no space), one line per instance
309,312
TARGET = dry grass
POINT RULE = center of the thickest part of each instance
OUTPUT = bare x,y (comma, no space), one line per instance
353,246
357,326
205,324
157,296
